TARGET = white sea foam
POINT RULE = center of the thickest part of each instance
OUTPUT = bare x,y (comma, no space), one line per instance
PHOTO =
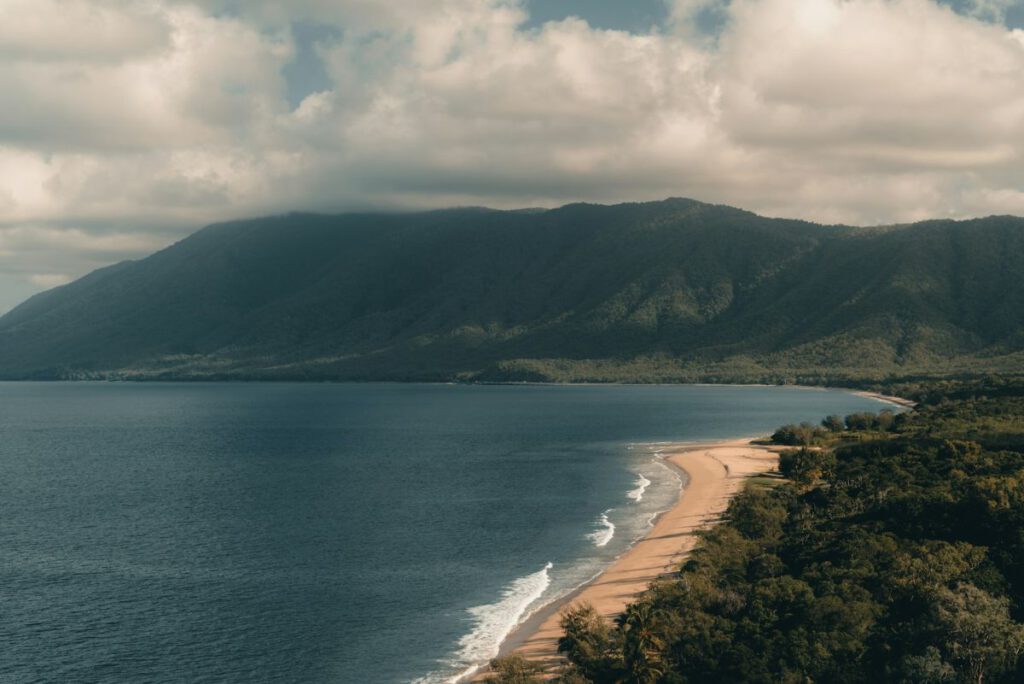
605,532
492,623
641,486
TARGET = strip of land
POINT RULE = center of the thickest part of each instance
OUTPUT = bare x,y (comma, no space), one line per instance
899,401
715,472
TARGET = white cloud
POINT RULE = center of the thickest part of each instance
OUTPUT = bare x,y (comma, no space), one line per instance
79,29
173,113
871,80
49,280
15,239
209,82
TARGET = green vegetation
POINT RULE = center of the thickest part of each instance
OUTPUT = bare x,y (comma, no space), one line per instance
515,669
673,291
893,553
833,428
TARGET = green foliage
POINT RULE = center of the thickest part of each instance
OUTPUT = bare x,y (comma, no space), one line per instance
807,466
515,669
673,291
591,644
643,626
798,435
898,558
979,637
860,421
833,423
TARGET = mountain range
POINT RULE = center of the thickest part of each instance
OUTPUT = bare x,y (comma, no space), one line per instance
675,290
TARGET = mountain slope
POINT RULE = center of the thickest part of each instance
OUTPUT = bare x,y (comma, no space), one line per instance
663,290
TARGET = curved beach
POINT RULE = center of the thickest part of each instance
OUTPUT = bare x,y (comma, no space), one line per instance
716,472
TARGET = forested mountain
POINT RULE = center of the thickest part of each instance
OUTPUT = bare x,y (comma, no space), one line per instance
672,290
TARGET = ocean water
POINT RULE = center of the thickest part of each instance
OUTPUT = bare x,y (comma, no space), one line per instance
325,532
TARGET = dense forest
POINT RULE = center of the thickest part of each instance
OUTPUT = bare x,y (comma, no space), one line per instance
893,551
672,291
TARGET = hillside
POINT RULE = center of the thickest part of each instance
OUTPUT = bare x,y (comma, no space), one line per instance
673,290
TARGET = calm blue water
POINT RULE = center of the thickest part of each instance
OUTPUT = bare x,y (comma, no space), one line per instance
324,533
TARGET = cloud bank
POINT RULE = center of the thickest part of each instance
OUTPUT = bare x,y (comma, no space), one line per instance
125,124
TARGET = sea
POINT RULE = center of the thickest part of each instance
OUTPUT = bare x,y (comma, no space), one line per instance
265,532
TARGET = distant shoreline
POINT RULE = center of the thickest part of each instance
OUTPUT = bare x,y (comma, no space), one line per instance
889,399
481,383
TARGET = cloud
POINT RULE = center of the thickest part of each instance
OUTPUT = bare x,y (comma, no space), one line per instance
921,105
49,280
35,238
874,82
204,81
66,30
169,114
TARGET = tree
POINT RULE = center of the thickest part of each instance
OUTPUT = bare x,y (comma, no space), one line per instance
806,466
515,669
927,668
757,515
590,643
833,423
643,643
885,420
860,421
979,636
797,435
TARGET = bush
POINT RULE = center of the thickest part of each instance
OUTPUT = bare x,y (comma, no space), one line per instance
883,421
803,434
590,642
807,466
515,669
860,421
833,423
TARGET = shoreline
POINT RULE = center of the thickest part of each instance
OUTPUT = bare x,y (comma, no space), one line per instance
713,473
886,398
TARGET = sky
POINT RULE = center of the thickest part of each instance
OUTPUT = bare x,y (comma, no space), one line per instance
125,125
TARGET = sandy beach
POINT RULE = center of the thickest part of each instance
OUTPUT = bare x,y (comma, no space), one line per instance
899,401
715,472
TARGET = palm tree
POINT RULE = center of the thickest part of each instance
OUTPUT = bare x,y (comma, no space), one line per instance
643,644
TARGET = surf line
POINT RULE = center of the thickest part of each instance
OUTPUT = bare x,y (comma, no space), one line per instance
605,532
637,494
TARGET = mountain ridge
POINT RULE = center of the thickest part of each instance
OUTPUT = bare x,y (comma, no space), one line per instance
675,290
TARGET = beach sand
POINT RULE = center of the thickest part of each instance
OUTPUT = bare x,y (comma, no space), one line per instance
716,472
899,401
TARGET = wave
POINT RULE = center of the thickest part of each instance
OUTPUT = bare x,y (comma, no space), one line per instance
641,486
602,536
492,623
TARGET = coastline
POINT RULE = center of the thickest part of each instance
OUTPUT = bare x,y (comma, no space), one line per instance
714,473
886,398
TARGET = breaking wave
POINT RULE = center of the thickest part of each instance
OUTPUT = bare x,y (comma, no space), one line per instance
605,532
641,486
493,622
